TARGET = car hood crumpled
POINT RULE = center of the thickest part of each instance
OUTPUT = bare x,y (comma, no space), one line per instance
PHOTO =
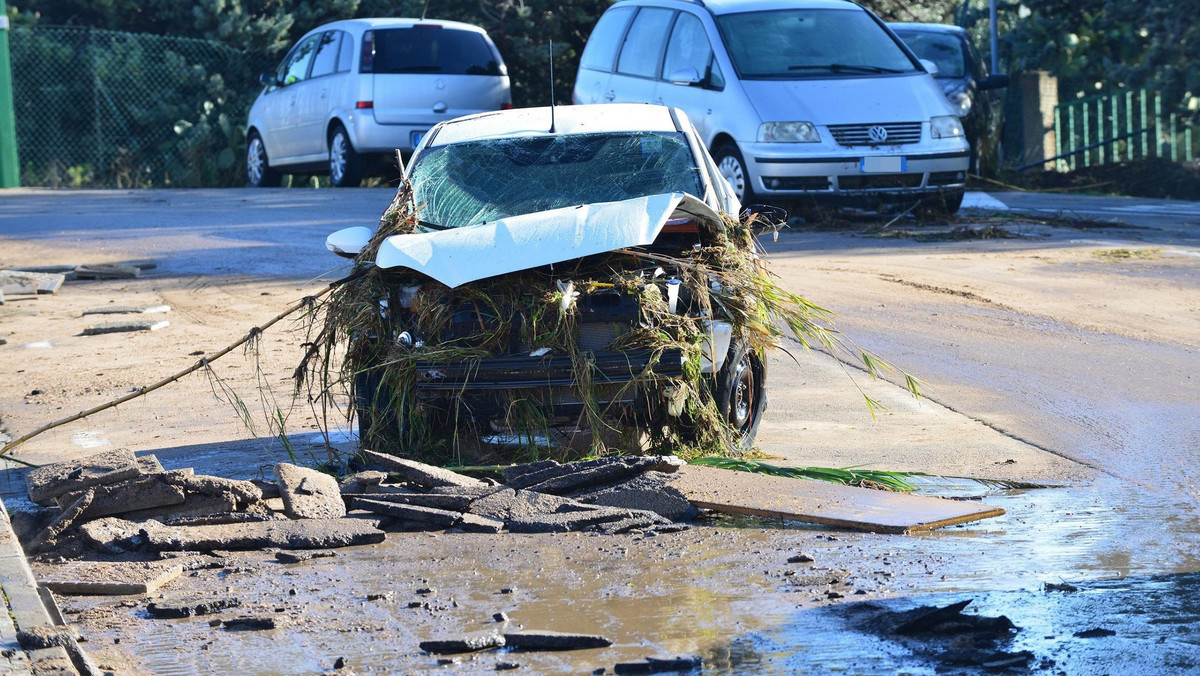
457,256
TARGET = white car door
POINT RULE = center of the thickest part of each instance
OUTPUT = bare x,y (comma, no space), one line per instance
639,60
691,79
599,56
313,96
292,76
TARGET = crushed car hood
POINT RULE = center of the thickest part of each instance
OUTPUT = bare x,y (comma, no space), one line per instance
461,255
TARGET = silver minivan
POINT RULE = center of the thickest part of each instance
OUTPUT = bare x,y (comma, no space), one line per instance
349,94
797,99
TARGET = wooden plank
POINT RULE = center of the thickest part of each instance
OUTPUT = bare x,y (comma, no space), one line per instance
822,502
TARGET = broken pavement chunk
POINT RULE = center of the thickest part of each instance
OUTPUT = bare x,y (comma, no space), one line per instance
553,640
438,518
306,534
126,326
190,607
466,644
46,483
60,524
579,475
20,281
362,482
418,473
245,492
456,503
309,494
651,491
143,492
254,623
195,505
108,578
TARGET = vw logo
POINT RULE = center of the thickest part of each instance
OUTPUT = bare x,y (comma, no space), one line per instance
877,133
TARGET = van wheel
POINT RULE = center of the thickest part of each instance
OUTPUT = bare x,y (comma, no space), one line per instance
345,164
742,394
259,173
733,168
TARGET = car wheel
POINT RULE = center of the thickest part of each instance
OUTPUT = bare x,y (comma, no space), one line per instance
259,173
940,205
345,164
733,168
742,394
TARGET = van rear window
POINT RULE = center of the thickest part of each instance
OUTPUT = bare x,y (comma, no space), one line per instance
431,49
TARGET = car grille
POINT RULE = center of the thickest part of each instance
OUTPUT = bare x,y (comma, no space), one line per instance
898,133
879,181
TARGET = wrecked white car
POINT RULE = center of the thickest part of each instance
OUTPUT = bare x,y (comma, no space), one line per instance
567,278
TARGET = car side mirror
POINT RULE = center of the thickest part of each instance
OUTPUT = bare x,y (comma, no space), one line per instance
685,76
349,242
267,79
993,82
930,67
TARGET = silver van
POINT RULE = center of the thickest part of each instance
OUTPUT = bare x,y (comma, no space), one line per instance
351,93
797,99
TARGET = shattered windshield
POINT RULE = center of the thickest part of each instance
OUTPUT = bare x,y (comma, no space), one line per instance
478,181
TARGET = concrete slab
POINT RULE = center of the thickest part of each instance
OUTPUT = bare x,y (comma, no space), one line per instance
108,578
45,483
307,534
417,472
126,327
822,502
309,494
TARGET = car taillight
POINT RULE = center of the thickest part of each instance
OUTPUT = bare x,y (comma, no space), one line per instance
367,61
505,106
363,105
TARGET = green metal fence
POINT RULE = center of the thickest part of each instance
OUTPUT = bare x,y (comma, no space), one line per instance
1124,126
109,109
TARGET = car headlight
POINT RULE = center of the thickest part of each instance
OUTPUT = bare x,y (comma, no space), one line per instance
788,132
945,126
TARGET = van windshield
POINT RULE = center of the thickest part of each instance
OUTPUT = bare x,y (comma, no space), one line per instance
806,43
432,49
479,181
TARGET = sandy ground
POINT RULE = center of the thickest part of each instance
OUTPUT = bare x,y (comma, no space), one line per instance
712,591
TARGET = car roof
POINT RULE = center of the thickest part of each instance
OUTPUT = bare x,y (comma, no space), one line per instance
927,27
582,119
395,22
719,7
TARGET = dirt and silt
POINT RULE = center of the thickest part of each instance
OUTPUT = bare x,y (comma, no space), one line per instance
723,590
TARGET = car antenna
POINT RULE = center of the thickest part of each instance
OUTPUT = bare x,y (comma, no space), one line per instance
552,86
424,9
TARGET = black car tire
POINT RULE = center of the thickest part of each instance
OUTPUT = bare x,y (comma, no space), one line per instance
731,165
741,394
259,173
345,164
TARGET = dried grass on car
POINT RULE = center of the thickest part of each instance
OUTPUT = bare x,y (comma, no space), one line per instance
350,336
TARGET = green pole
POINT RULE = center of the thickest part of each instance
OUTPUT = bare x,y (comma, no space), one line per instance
10,175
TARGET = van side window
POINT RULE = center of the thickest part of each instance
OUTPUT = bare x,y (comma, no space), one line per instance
715,79
325,59
687,48
295,67
643,43
601,47
345,62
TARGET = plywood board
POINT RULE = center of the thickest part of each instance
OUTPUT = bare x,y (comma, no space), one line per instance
822,502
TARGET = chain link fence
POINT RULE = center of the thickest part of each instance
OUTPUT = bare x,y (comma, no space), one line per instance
99,108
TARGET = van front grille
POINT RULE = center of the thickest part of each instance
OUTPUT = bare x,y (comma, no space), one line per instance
884,134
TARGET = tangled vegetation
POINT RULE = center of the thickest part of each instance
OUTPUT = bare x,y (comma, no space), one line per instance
357,348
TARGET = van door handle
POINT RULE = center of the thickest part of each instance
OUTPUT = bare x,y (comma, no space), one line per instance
610,95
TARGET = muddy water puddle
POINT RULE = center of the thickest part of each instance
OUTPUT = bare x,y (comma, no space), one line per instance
723,590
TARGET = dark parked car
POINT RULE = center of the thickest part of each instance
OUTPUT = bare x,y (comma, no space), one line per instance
965,80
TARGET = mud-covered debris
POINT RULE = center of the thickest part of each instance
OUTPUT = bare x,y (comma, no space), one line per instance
220,518
469,643
190,607
651,491
659,665
418,473
254,623
302,556
532,640
128,326
801,558
637,520
452,502
245,492
61,523
108,578
143,492
309,494
1060,587
988,660
113,535
949,620
50,637
107,271
194,506
362,482
1097,632
473,523
48,482
579,475
507,666
416,514
306,534
500,617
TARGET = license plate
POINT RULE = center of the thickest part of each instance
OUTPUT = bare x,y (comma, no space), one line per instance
882,165
416,137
